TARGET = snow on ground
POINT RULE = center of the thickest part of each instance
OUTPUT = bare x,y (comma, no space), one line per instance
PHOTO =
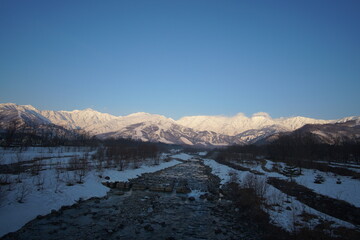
14,215
352,167
13,155
202,153
348,190
279,215
125,175
286,212
269,164
182,156
220,170
196,194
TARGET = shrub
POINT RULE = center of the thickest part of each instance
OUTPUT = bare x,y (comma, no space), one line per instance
319,179
257,183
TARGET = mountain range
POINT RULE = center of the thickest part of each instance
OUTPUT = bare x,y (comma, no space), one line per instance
190,130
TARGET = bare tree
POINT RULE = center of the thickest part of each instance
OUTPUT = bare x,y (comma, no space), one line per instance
4,180
73,163
19,177
58,170
99,158
8,182
108,162
19,157
81,169
234,178
257,183
10,131
3,194
2,157
68,179
120,163
136,162
23,192
36,167
156,157
39,181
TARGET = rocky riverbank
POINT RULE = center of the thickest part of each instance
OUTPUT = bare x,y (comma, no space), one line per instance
145,210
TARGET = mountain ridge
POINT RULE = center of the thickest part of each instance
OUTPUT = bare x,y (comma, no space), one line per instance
189,130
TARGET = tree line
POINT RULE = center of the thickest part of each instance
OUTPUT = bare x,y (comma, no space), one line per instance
295,148
16,134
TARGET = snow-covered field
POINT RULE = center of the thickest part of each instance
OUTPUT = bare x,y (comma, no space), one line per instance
14,155
202,153
286,211
50,191
183,156
348,190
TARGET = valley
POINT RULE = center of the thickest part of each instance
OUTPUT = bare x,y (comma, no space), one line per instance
179,120
146,214
182,195
145,176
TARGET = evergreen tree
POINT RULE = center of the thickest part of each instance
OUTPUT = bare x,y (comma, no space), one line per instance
290,172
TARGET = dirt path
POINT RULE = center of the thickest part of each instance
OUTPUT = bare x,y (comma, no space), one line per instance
145,214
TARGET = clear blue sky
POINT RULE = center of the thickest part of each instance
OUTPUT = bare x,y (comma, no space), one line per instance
179,58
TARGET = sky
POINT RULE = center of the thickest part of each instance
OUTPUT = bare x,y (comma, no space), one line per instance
182,58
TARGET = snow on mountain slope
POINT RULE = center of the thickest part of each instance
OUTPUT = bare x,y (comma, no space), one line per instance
256,135
193,130
135,118
141,126
353,119
28,119
294,123
24,114
98,123
167,131
333,133
330,133
240,123
87,119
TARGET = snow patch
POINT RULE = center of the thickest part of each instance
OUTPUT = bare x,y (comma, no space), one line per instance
14,215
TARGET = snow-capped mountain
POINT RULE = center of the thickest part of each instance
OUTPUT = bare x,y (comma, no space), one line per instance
333,133
28,119
330,133
142,126
88,119
25,114
193,130
240,123
170,133
256,135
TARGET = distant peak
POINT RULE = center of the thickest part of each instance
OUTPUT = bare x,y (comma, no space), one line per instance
29,107
76,110
153,117
240,115
261,114
139,114
12,104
